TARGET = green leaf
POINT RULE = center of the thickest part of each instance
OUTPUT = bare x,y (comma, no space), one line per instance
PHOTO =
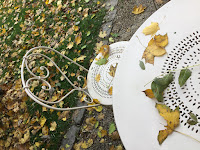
112,128
157,91
102,61
88,33
142,66
112,8
87,1
184,75
114,35
67,146
193,117
83,46
164,81
111,39
191,122
96,124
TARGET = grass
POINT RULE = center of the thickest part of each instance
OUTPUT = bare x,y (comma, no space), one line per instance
24,25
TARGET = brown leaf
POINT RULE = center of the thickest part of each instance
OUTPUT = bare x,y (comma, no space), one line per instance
149,93
138,10
115,136
110,90
112,70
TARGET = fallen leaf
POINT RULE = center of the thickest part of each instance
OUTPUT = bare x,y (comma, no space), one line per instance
87,144
70,45
102,61
97,78
102,34
160,84
138,10
101,116
112,128
142,66
193,119
115,136
53,126
111,39
104,50
152,29
112,70
25,138
81,58
110,90
42,121
172,118
78,39
183,77
161,40
149,93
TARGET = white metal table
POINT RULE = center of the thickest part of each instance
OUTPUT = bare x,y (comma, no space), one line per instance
137,119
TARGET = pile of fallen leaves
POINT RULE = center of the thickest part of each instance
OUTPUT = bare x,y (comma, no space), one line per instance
71,27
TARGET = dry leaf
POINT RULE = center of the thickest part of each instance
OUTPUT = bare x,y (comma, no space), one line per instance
87,144
152,29
104,50
149,93
78,39
110,90
53,126
97,78
81,58
102,34
42,121
153,50
70,45
172,118
159,1
161,40
112,70
138,10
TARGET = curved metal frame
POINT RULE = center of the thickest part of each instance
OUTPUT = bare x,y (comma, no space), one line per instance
42,102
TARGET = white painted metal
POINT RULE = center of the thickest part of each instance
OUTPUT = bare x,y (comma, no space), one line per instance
115,52
137,119
99,90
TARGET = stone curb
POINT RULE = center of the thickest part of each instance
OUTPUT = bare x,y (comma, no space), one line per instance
78,115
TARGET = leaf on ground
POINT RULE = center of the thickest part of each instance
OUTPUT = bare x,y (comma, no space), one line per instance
152,29
112,128
138,10
183,77
155,48
160,84
81,58
70,45
87,144
42,121
112,70
110,90
97,78
193,119
25,138
98,108
149,93
111,39
172,118
78,39
102,34
102,61
142,66
53,126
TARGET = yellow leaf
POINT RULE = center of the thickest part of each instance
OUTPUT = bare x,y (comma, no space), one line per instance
152,29
50,64
151,51
110,90
172,118
54,98
97,78
37,144
70,45
138,10
14,54
161,40
75,28
149,93
103,133
3,31
42,121
102,34
98,108
104,50
78,39
87,144
81,58
53,126
98,46
25,138
112,70
45,130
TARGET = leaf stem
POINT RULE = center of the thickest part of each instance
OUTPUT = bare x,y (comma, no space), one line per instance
187,135
140,42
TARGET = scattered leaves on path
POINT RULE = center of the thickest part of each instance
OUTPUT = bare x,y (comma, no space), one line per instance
138,9
172,118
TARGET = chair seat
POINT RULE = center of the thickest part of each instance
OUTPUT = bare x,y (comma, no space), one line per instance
99,90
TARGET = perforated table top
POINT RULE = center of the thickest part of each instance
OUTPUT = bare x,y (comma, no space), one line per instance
137,119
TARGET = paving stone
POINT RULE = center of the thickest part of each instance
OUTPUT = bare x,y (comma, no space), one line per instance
78,114
107,27
110,16
70,137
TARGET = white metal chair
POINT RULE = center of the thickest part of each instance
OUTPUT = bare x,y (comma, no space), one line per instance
94,89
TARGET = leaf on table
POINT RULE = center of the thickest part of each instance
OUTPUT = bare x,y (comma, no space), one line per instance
149,93
172,118
160,84
112,128
138,10
102,61
110,90
183,77
112,70
155,48
104,50
97,78
102,34
192,120
142,66
152,29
